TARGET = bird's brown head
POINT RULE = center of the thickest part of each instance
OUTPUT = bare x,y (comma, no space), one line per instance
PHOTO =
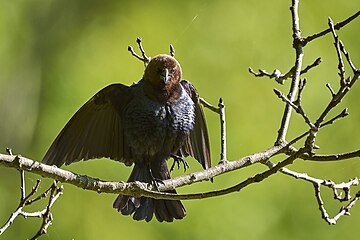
162,78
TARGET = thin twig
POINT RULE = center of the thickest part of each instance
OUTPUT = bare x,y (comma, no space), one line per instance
331,157
285,99
347,56
9,151
22,178
344,186
33,190
297,107
41,196
22,185
296,76
330,89
172,50
337,26
10,220
139,42
320,202
221,111
145,59
281,78
45,213
344,211
300,110
209,106
314,64
343,114
131,50
338,52
25,201
345,86
223,157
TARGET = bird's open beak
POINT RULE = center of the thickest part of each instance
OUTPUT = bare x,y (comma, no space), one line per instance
164,75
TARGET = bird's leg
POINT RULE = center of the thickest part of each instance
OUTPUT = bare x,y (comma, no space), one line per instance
177,159
155,180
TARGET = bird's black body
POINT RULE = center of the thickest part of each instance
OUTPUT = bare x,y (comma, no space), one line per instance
144,124
150,124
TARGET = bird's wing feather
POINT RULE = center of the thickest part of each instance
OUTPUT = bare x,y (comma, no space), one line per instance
197,144
95,131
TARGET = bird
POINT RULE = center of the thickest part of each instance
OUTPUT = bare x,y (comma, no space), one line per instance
145,124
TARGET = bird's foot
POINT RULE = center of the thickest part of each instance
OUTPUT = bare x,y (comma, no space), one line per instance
178,160
156,181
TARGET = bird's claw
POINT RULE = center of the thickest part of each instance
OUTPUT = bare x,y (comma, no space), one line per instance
177,159
156,182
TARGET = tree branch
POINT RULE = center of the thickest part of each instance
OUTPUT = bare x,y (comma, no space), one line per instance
281,78
297,44
135,189
138,189
221,111
145,59
337,26
331,157
25,200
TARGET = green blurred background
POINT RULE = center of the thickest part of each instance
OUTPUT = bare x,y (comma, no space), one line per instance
54,55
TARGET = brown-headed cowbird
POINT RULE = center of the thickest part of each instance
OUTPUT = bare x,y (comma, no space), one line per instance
145,124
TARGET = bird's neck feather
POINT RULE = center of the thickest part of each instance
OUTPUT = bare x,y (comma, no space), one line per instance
169,93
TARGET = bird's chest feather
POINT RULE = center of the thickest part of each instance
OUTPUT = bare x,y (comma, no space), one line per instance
153,129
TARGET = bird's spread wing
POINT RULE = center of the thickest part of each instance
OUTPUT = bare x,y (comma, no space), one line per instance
95,131
197,144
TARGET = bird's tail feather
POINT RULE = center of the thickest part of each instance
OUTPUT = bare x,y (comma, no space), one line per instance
143,208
